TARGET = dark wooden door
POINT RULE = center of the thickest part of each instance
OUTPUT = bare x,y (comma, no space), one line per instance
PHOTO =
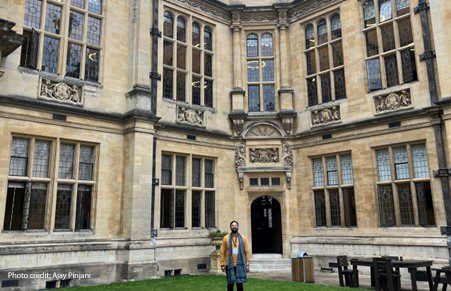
266,226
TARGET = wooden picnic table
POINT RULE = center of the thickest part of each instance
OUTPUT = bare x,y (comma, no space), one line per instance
410,265
438,279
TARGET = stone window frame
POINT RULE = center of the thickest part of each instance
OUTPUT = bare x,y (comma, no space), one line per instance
190,189
329,43
395,183
381,54
65,41
261,58
188,44
52,182
325,189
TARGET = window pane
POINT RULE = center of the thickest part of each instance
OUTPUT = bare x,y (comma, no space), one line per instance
409,68
50,55
66,163
425,205
29,50
420,161
208,65
180,171
405,204
383,165
181,57
269,94
254,98
349,207
209,174
391,70
196,172
320,208
196,35
76,25
63,202
402,7
253,71
19,157
264,182
78,3
92,65
210,209
41,159
335,26
83,215
268,70
166,170
346,170
337,53
196,90
14,206
385,12
196,61
253,181
373,70
267,45
208,94
168,24
168,53
94,26
405,32
372,47
386,208
53,18
340,84
312,92
86,164
323,58
275,181
181,86
181,29
208,39
73,61
334,200
388,37
179,208
311,62
309,36
95,6
332,171
318,178
36,208
322,31
33,13
252,45
167,208
196,209
168,82
368,11
325,88
401,163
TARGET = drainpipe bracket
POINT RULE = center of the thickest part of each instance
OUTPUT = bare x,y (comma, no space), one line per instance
155,76
442,172
422,6
155,31
427,55
155,181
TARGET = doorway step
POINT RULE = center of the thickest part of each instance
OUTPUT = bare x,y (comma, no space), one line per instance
264,263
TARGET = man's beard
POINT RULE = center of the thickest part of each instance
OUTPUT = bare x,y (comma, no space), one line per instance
234,230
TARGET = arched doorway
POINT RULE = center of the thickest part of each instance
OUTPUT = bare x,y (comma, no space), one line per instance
266,226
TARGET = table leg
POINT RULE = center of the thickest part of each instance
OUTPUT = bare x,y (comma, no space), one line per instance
436,281
355,276
428,270
413,278
373,282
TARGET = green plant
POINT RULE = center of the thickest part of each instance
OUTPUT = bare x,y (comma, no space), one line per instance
217,234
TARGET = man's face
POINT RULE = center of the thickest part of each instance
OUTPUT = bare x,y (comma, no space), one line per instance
234,227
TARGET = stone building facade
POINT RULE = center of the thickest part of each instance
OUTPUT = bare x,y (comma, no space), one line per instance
131,129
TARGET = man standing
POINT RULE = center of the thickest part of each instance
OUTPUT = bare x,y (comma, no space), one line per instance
235,257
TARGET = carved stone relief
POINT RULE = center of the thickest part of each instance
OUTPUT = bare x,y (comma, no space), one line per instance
287,154
393,101
240,155
203,8
287,123
263,130
61,92
326,115
237,127
264,155
260,17
190,116
307,7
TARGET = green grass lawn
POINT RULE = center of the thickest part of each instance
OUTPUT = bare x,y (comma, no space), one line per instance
211,283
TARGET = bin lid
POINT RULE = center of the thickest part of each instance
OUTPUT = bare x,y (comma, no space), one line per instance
302,254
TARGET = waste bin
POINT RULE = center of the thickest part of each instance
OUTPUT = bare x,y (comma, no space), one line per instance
302,269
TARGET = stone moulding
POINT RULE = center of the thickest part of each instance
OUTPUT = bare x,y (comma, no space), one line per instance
59,91
190,115
326,115
203,8
392,101
264,155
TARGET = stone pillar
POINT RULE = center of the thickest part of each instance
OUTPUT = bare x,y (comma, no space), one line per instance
237,94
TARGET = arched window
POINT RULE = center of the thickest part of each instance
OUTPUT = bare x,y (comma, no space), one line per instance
168,27
267,45
252,45
181,29
335,26
385,12
322,31
196,34
309,36
208,39
368,13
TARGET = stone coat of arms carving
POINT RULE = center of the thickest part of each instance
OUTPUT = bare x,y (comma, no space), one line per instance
264,155
190,116
326,115
393,101
61,92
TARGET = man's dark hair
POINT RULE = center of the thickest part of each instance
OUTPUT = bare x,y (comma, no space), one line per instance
233,222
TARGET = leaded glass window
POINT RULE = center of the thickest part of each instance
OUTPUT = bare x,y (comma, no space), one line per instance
33,13
388,37
63,205
208,89
210,209
346,169
320,208
209,173
349,207
385,10
179,208
166,170
334,200
196,172
180,171
318,178
420,161
19,157
372,47
95,6
168,24
77,3
36,208
181,29
181,57
53,18
86,163
391,70
401,163
168,83
196,90
402,7
167,208
66,164
335,26
267,45
312,91
196,34
83,215
425,205
368,12
309,36
41,159
386,208
252,45
332,171
208,39
50,55
181,86
383,165
196,208
373,69
92,64
405,204
325,88
311,62
254,98
269,98
340,84
94,27
73,64
253,71
322,31
409,69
